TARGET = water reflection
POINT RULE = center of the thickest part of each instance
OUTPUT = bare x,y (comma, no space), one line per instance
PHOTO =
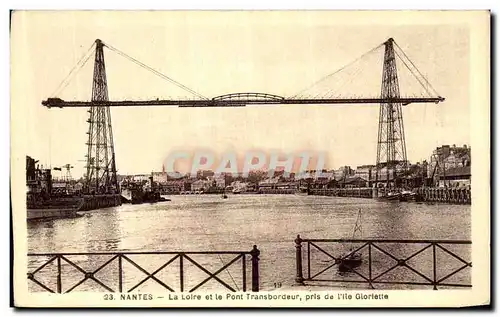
41,236
102,230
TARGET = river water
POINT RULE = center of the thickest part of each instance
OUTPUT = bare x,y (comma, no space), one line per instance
210,223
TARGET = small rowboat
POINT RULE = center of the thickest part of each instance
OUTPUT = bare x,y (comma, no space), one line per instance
352,259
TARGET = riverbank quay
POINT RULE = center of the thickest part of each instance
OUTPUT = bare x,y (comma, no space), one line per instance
446,195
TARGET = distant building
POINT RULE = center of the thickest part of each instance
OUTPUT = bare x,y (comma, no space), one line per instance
269,181
140,178
205,174
174,186
415,175
384,177
446,158
278,185
255,176
455,177
220,181
304,175
321,183
365,172
342,173
30,170
160,177
200,185
355,182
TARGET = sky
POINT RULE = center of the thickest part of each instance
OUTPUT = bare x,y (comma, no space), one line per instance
216,53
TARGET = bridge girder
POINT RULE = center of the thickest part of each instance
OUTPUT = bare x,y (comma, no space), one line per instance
59,103
248,96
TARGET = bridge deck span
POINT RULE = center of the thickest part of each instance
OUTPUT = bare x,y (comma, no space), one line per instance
59,103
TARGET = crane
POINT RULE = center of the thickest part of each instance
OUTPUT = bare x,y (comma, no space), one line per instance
68,168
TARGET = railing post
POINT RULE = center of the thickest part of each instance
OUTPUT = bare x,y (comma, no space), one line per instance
59,286
434,265
308,260
370,264
255,268
181,271
298,260
120,274
244,271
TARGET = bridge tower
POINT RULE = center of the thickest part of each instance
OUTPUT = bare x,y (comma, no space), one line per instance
391,146
101,166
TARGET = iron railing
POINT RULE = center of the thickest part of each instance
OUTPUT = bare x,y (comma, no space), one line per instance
121,257
368,262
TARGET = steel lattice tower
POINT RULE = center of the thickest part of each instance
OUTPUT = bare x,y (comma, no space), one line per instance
101,165
391,146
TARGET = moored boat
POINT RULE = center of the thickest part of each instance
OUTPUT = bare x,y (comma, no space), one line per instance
352,258
350,261
54,208
392,195
407,195
51,213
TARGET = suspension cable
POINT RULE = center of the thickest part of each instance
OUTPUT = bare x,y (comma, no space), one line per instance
406,56
353,76
413,73
78,66
337,71
154,71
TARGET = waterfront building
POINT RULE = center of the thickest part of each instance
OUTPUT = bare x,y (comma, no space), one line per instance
383,177
365,172
187,184
220,181
204,174
331,174
303,176
354,182
239,185
446,158
160,177
255,176
173,186
322,183
342,173
455,177
415,175
200,185
139,178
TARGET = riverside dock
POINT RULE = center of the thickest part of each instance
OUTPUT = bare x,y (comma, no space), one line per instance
425,194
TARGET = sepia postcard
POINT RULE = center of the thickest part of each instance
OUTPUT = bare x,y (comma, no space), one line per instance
250,158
